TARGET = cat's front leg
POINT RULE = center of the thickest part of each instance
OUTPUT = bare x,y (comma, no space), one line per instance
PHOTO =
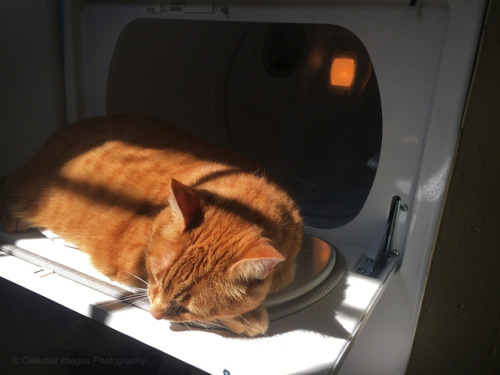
12,224
251,323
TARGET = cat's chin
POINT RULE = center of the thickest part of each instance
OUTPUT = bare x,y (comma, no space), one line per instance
249,324
179,317
236,325
162,315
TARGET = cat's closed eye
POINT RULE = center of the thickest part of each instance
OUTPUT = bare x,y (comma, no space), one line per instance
174,309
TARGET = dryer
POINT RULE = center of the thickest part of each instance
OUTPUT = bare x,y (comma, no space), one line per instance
355,106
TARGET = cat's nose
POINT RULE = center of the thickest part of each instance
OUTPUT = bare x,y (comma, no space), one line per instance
170,311
157,311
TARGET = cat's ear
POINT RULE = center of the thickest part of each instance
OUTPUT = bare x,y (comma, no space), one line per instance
258,262
185,203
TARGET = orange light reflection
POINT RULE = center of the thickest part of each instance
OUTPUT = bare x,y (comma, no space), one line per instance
342,71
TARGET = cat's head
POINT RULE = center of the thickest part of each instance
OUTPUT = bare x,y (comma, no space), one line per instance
204,262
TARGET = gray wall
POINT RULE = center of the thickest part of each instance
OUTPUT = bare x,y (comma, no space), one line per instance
458,330
31,78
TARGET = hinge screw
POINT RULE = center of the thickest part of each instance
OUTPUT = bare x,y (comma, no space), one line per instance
395,253
404,207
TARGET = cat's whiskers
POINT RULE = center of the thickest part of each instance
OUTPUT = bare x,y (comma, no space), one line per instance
208,326
128,300
126,305
203,325
213,325
134,297
138,278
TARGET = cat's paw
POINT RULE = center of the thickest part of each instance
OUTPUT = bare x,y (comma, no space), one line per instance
11,224
251,323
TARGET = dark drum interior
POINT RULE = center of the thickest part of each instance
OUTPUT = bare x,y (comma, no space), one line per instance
300,99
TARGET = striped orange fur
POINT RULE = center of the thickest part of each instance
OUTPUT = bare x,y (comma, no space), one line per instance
208,231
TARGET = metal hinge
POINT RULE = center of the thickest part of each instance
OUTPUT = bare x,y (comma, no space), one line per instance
373,266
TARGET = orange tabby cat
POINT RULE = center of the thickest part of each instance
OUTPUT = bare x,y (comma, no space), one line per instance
211,235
